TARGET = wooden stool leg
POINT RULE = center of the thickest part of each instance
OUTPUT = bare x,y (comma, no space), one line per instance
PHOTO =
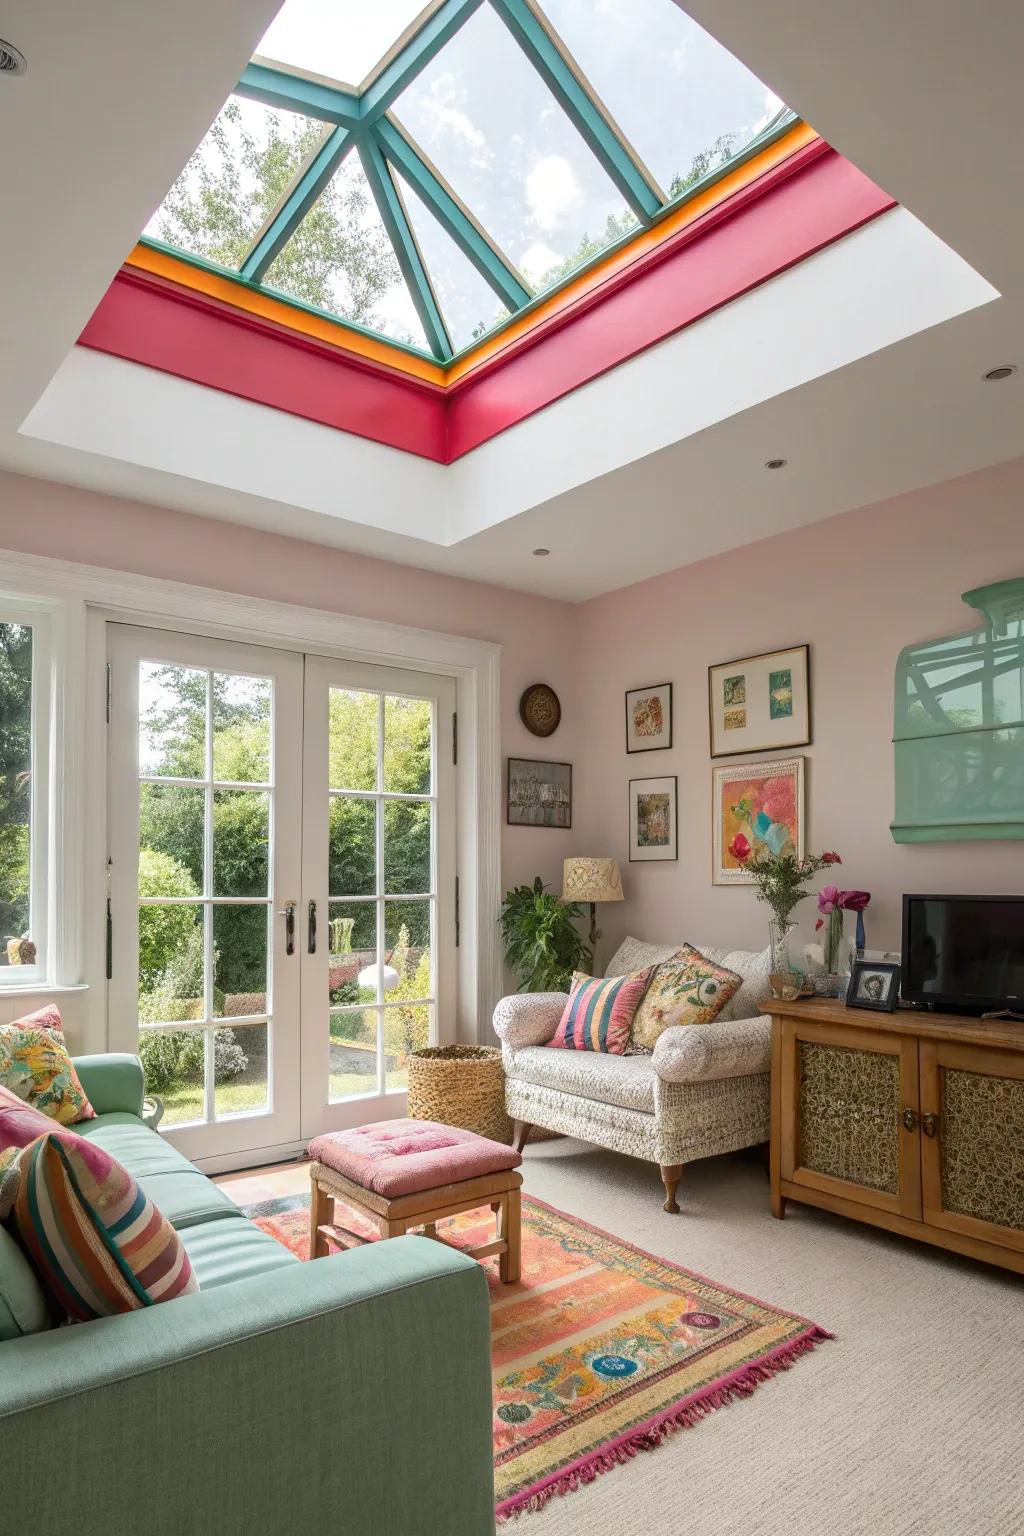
509,1224
522,1134
670,1176
321,1213
430,1229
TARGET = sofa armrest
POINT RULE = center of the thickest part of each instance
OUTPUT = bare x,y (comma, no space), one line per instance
528,1018
112,1082
706,1052
352,1393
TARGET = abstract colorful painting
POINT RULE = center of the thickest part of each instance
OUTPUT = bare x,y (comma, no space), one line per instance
649,718
760,703
652,819
757,804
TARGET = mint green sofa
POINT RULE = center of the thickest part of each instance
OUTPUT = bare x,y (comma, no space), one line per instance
352,1394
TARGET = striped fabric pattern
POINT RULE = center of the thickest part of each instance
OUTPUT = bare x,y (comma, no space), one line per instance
600,1012
97,1243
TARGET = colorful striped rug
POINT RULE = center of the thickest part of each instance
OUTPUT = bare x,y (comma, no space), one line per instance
600,1350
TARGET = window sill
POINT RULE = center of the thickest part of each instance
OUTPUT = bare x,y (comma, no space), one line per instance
37,988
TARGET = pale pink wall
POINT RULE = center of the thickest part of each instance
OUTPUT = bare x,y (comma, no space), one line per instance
536,634
858,588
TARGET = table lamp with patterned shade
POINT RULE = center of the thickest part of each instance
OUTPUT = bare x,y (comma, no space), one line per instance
591,880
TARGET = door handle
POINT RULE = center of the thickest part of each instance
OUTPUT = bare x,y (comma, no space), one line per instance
910,1119
311,929
288,913
930,1124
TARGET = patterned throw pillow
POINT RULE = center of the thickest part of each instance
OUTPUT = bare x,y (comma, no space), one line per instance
9,1180
36,1067
688,989
97,1243
600,1011
47,1017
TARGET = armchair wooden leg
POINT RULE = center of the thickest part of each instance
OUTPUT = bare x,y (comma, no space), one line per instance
670,1176
522,1135
321,1213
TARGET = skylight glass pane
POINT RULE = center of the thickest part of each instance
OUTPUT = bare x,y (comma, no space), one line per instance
469,305
484,117
682,100
234,180
340,38
341,260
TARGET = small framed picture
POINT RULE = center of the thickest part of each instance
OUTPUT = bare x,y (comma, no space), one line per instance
874,984
652,819
649,718
539,793
759,703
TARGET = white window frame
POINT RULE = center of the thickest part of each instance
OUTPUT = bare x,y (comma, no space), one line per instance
40,618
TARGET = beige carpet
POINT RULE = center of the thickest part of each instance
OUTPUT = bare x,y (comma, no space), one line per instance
910,1423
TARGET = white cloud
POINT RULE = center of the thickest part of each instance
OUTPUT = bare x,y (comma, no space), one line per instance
772,106
538,259
443,117
552,192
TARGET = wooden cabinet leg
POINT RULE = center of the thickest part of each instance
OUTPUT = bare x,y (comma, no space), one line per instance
778,1204
509,1226
321,1213
670,1176
522,1134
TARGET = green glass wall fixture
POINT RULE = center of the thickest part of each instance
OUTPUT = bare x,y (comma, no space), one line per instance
959,727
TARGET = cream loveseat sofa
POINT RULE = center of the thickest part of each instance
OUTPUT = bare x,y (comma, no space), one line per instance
704,1090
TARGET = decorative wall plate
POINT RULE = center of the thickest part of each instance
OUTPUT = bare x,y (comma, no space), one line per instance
539,709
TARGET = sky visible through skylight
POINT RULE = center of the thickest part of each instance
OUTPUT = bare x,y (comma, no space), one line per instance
482,115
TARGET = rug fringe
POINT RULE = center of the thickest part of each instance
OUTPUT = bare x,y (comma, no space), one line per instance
683,1416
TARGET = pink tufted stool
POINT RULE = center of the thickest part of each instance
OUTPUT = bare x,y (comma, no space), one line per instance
412,1173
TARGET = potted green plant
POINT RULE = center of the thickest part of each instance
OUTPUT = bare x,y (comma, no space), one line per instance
542,944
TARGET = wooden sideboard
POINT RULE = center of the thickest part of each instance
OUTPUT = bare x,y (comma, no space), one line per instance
912,1121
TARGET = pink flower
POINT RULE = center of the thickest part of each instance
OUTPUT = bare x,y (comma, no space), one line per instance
854,901
739,847
828,899
831,858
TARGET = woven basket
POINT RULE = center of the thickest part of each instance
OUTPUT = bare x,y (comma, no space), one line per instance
461,1085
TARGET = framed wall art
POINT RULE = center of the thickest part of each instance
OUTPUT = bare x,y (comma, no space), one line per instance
652,819
649,718
539,793
759,703
754,803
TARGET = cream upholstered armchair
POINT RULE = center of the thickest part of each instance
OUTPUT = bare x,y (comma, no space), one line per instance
704,1090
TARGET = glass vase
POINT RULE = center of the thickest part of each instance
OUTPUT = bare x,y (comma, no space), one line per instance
840,949
778,942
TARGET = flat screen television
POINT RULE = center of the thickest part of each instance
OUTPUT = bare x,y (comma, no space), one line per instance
964,953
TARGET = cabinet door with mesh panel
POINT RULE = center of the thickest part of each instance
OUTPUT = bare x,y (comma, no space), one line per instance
972,1140
850,1109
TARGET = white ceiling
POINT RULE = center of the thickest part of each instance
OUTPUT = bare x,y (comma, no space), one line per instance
922,97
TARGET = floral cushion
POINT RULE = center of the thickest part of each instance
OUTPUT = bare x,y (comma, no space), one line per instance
47,1017
96,1241
600,1011
688,989
36,1067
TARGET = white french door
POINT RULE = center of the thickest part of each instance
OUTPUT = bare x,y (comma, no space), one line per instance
379,878
281,881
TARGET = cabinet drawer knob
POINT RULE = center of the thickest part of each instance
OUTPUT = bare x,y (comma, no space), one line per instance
910,1119
930,1124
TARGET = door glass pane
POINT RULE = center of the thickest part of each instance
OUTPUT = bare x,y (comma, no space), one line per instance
407,745
172,720
239,960
483,115
407,847
241,841
15,781
352,738
407,937
171,975
173,1061
353,1053
352,940
406,1029
170,840
685,102
352,853
241,728
240,1078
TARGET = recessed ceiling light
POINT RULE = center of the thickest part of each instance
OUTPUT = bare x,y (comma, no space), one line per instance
1002,372
542,551
775,463
12,60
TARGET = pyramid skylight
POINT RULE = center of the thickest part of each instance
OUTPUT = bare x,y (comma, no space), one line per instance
429,175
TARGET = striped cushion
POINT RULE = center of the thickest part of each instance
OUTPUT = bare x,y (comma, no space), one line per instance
97,1243
600,1011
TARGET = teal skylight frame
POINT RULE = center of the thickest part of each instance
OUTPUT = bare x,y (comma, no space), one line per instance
359,119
